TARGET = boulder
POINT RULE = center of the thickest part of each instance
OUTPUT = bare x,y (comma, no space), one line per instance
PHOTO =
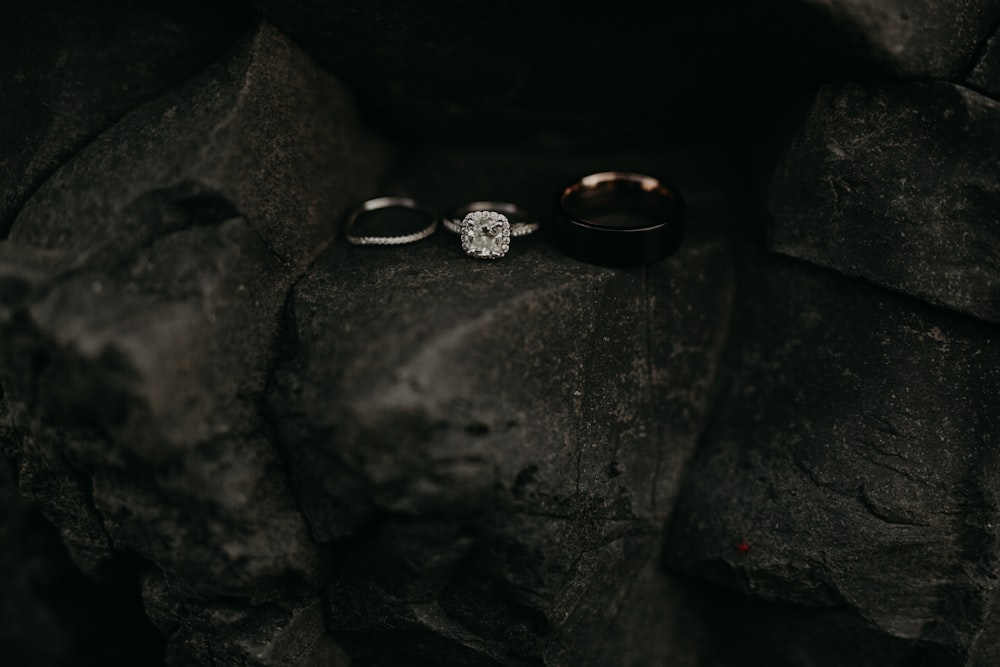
907,39
985,75
850,466
898,184
488,448
141,297
285,630
69,70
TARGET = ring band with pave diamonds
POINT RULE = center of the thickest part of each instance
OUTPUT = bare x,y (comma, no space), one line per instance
486,227
618,218
398,214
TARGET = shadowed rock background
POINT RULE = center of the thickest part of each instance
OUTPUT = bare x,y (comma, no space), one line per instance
231,438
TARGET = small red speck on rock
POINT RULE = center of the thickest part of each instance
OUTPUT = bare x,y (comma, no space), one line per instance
742,548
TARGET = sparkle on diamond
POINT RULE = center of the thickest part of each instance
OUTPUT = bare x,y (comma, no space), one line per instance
485,234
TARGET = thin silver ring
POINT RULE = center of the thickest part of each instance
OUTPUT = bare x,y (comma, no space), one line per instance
387,202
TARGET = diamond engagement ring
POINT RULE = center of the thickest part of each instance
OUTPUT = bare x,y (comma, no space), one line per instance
398,219
486,227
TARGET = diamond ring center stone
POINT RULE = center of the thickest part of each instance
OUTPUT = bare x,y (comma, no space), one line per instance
485,234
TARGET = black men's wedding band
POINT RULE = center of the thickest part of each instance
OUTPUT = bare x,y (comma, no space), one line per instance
618,218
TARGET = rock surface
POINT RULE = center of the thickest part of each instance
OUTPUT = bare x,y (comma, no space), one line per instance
285,630
922,39
898,184
69,70
854,451
142,291
476,441
985,75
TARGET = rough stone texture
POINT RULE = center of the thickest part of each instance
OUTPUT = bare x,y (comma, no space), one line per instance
68,70
247,135
898,184
141,291
911,38
489,448
985,75
855,450
287,630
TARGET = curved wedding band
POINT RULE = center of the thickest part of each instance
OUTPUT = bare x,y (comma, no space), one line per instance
618,218
486,227
406,208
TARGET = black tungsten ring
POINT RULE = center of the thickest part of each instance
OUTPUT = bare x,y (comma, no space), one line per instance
618,218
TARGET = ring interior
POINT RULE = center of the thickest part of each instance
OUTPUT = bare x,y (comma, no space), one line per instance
393,220
620,203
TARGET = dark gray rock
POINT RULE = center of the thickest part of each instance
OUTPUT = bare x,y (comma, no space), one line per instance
985,75
287,630
924,39
489,448
244,139
69,70
45,472
659,620
898,184
141,292
854,451
987,649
